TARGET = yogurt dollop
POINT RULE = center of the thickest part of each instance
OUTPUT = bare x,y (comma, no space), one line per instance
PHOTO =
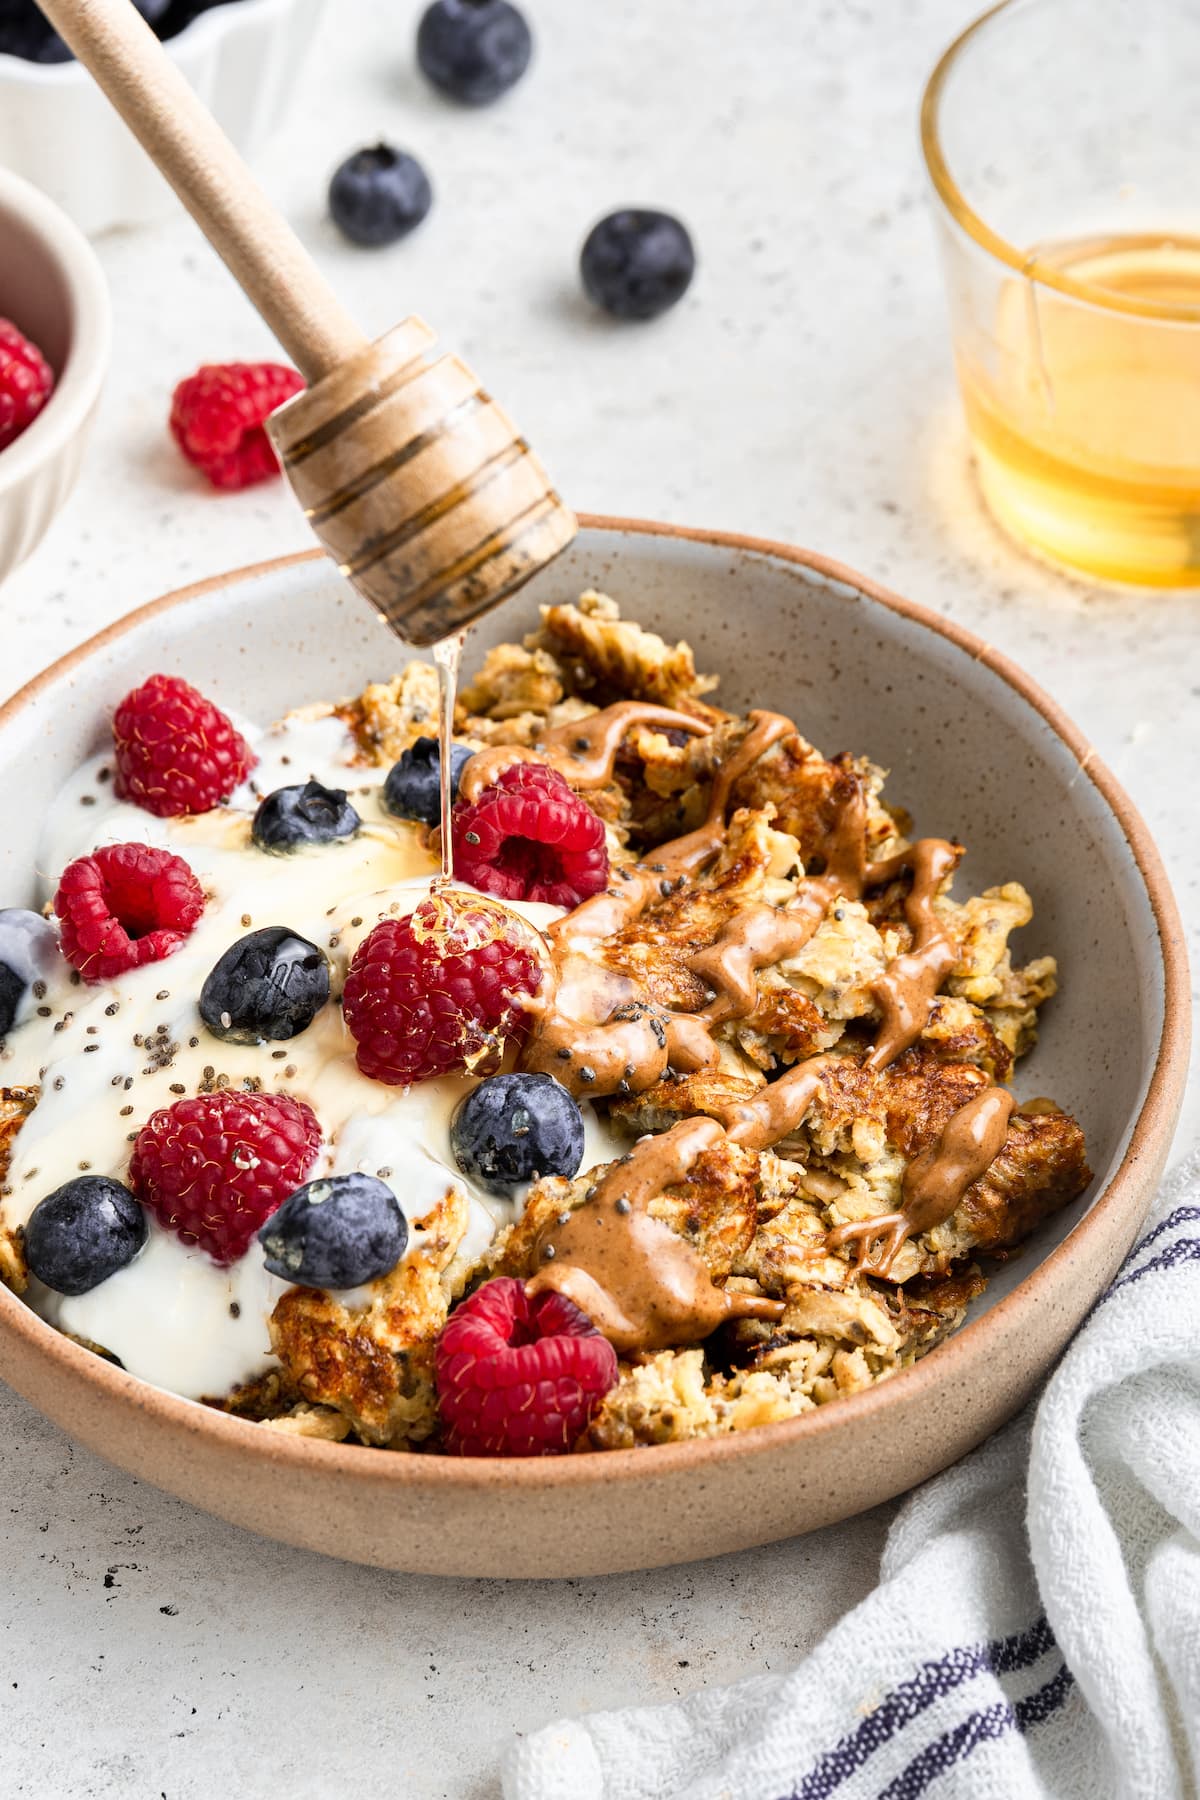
106,1057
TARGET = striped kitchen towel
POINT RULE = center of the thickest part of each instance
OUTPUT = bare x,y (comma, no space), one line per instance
1036,1627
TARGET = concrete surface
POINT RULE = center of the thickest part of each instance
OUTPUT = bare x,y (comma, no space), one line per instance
803,390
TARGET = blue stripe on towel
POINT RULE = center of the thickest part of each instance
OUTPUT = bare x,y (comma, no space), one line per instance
932,1681
1182,1250
978,1728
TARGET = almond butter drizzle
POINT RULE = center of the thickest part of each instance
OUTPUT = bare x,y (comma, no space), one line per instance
643,1285
934,1182
584,751
638,1281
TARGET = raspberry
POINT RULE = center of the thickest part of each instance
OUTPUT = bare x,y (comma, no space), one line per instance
519,1375
26,382
530,837
123,906
439,990
217,419
214,1168
176,752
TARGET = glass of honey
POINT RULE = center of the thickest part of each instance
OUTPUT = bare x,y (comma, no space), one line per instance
1063,141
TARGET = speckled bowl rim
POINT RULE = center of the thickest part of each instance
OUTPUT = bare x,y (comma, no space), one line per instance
953,1361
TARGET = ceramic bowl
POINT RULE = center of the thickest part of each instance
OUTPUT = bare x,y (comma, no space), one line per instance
57,127
973,747
53,289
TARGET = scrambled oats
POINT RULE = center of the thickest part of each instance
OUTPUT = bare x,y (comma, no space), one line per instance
362,1365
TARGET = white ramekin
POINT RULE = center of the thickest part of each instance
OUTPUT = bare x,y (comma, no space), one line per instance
57,129
53,288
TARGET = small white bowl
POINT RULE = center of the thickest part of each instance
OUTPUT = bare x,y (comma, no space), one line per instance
57,128
53,289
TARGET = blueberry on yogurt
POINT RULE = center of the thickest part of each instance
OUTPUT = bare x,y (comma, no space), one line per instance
413,788
337,1232
515,1128
28,953
307,813
82,1233
270,985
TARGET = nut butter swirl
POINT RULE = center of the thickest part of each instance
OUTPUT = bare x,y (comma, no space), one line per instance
584,751
934,1182
644,1286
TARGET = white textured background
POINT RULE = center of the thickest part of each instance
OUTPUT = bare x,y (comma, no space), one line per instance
802,391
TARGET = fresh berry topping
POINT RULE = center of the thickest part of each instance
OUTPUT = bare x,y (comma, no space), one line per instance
28,952
26,380
123,906
305,814
378,195
530,837
82,1233
520,1374
336,1233
636,263
439,990
474,50
176,752
217,418
268,986
214,1168
413,787
515,1128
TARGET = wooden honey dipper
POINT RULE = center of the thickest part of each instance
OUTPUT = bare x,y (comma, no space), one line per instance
414,480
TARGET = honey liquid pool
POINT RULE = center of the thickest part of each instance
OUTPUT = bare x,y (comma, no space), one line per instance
1085,418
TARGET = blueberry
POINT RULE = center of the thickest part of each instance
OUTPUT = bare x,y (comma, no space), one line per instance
474,50
514,1128
636,263
336,1233
413,786
28,953
271,984
379,195
305,814
82,1233
26,33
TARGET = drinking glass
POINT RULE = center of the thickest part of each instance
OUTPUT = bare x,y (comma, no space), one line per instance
1062,138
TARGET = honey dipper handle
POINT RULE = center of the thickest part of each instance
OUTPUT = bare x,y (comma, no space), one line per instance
260,249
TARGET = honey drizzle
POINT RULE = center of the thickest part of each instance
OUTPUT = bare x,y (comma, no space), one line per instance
643,1285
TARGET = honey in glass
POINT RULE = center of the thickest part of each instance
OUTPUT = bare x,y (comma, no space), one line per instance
1062,140
1086,424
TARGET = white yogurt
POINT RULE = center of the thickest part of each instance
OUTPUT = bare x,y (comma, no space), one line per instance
173,1317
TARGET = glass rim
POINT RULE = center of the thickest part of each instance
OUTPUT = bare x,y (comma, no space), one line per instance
976,228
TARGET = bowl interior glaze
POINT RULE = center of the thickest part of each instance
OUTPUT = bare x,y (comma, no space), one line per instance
970,753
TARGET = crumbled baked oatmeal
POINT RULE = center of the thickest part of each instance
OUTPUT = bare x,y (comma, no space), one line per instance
761,1046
